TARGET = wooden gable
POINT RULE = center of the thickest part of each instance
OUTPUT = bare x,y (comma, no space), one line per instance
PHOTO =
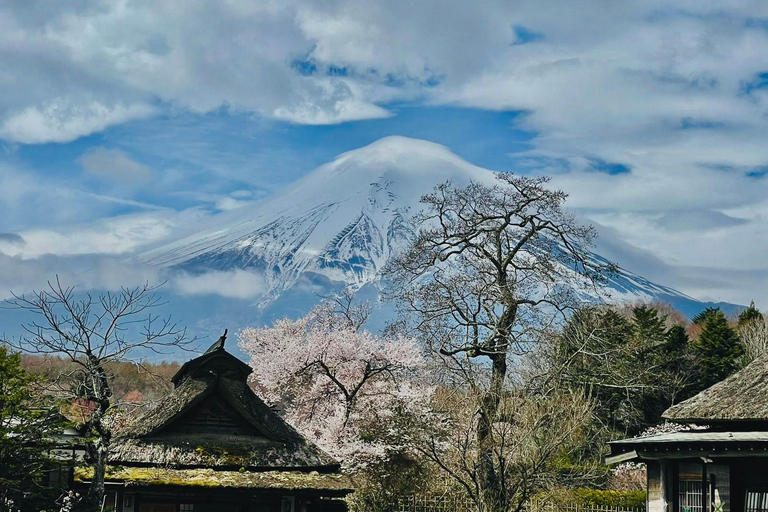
213,415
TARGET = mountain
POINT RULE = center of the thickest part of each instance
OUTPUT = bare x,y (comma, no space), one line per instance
341,223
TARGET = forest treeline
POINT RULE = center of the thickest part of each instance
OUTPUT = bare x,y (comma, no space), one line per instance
132,382
637,360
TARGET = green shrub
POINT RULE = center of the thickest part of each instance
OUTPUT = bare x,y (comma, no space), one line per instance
626,499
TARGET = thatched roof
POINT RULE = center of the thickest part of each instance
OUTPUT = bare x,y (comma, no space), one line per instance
742,397
263,441
216,354
688,444
223,452
278,480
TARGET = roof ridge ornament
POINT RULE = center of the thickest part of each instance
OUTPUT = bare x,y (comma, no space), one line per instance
218,345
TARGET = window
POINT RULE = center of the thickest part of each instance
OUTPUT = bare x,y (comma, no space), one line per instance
186,507
690,496
757,501
287,504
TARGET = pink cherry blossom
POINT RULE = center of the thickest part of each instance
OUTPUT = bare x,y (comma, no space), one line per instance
339,385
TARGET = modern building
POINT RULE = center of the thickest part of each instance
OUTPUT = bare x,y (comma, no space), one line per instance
213,445
719,462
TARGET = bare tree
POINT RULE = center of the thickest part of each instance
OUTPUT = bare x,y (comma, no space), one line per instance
490,268
753,336
529,434
93,332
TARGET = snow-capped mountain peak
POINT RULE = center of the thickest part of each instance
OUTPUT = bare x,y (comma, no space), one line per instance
342,222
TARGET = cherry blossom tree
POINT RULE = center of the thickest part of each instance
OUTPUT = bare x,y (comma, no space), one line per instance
353,393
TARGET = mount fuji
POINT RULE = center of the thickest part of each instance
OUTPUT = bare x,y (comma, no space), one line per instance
340,224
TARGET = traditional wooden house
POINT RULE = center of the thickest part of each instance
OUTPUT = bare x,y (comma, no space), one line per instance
213,445
721,465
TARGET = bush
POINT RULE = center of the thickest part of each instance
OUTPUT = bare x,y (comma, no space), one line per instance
624,499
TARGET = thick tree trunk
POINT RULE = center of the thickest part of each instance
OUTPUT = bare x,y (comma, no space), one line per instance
99,451
491,481
99,455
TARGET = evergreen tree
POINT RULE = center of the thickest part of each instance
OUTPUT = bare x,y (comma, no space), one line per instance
649,334
648,326
601,361
679,367
749,315
26,427
677,341
662,356
718,349
703,315
633,368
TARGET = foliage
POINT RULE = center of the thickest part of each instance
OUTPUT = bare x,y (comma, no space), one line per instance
749,315
718,349
533,435
128,379
610,498
702,316
351,392
636,362
27,423
491,268
569,498
632,366
92,333
753,336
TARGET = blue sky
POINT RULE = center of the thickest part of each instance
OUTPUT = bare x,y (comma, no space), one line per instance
125,123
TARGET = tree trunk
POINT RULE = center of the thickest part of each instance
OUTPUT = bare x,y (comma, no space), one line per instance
99,453
493,497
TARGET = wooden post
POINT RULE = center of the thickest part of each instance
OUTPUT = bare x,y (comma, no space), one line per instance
704,504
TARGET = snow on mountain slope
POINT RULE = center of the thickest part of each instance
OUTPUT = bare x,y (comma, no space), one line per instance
343,222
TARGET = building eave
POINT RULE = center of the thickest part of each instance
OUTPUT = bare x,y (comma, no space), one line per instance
294,481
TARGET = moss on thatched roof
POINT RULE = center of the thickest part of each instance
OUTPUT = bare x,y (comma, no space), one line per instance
742,397
217,451
282,480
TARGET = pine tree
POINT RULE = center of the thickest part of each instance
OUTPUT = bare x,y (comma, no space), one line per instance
648,325
649,334
678,365
749,315
703,315
26,427
718,349
602,362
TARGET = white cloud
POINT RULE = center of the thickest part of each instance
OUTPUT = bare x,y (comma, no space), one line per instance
227,203
124,234
66,120
114,164
329,102
238,284
670,90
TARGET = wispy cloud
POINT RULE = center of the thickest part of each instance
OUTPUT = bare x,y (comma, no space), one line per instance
113,164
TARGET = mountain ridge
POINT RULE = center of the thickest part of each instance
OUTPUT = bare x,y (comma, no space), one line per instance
342,222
